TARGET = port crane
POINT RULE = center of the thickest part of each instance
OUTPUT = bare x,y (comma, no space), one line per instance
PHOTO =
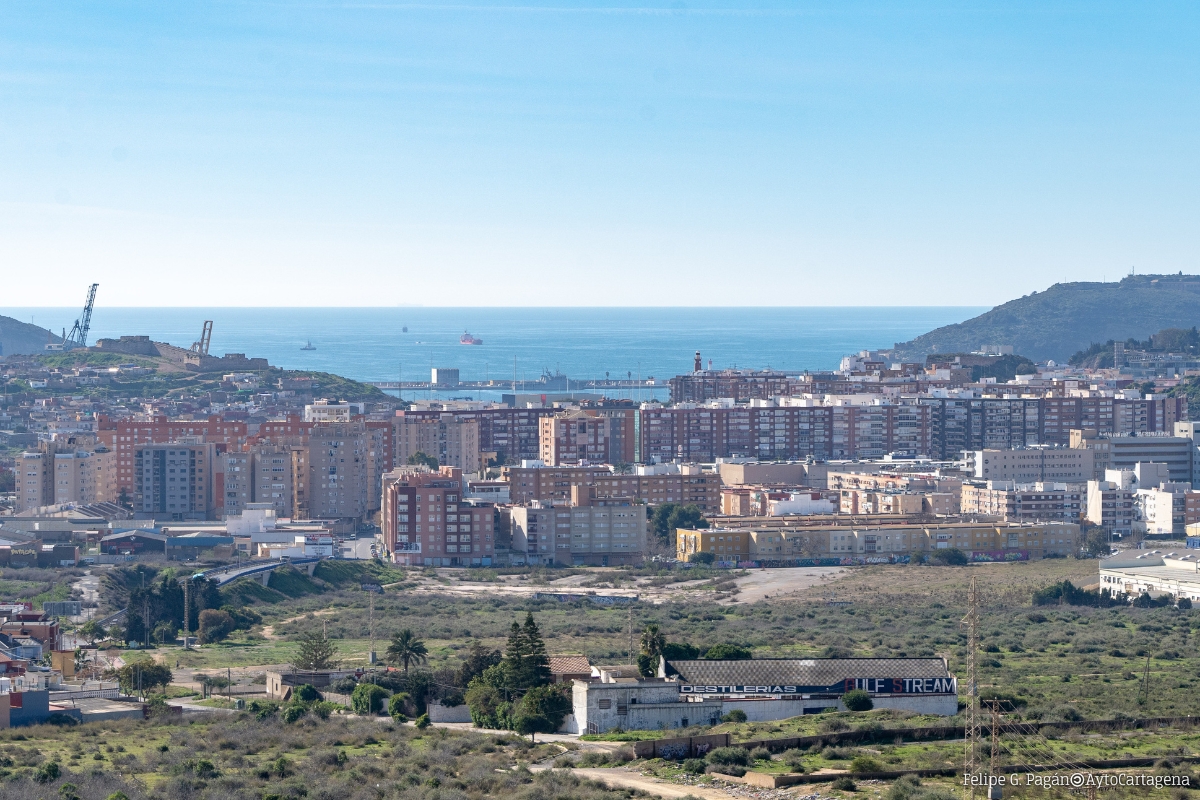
79,332
201,346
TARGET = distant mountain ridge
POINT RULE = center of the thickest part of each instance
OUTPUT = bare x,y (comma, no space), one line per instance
1069,317
23,338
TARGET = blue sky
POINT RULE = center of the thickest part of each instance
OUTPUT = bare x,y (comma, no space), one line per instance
687,153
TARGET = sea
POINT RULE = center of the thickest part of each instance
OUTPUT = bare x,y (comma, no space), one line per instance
520,344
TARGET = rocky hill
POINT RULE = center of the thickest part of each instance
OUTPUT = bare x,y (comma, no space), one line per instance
1069,317
22,338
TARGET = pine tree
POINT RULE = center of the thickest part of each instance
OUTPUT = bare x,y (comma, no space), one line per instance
316,652
537,663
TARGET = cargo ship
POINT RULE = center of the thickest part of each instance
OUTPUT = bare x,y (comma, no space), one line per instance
467,338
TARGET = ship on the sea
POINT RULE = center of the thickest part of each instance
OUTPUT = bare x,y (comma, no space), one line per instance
308,346
467,338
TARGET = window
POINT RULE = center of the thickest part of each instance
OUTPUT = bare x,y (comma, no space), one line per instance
604,703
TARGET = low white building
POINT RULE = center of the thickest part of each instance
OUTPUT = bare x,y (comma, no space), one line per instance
1155,572
701,691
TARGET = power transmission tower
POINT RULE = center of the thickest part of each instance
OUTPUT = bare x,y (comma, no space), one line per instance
971,748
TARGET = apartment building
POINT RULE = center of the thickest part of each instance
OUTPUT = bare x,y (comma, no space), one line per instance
589,530
1033,464
651,484
573,437
1024,502
1110,502
451,439
123,437
323,411
879,544
174,481
337,470
233,483
427,522
1161,510
739,384
1124,452
513,434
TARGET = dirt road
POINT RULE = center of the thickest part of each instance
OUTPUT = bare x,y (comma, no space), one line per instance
762,584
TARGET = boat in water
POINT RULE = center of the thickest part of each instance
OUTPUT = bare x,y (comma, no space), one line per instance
467,338
308,346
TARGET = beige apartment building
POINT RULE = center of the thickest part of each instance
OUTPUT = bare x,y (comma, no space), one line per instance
573,438
590,530
980,541
1024,502
337,470
451,439
660,483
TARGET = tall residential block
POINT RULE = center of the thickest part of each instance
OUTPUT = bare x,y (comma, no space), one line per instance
453,440
573,438
173,481
427,522
337,468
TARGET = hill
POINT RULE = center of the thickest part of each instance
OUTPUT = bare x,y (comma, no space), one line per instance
1069,317
22,338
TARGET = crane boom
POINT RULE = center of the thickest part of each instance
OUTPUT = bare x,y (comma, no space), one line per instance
201,346
79,333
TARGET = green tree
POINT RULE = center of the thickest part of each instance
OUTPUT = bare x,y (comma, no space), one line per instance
422,459
950,557
166,631
670,516
214,625
1097,543
525,661
653,640
397,705
91,630
407,649
541,710
143,674
315,652
477,660
368,698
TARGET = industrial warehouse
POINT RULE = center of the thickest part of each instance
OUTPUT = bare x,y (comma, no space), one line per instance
699,692
1154,572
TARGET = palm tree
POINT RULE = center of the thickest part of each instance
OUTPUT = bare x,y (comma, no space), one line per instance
653,641
407,649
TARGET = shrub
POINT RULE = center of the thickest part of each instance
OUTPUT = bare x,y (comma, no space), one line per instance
736,715
422,721
736,770
306,693
215,625
368,698
727,652
396,706
833,725
834,754
760,754
794,758
1184,604
47,773
725,756
293,713
694,765
950,557
844,785
857,700
865,764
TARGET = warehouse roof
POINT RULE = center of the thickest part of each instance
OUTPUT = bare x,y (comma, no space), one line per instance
804,671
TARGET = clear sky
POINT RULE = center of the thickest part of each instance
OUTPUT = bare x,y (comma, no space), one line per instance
682,153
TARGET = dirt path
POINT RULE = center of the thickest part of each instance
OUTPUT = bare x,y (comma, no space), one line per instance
764,584
268,631
625,779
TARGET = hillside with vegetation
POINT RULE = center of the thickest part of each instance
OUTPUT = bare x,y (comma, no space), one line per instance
23,338
1070,317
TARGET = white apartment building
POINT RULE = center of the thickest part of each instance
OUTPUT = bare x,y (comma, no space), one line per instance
328,411
1032,465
